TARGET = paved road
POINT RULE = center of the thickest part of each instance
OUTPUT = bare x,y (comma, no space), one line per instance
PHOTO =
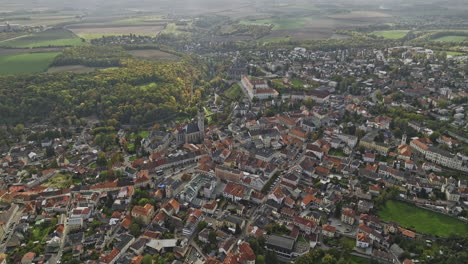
11,228
56,258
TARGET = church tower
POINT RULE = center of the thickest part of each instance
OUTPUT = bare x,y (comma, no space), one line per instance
201,122
403,139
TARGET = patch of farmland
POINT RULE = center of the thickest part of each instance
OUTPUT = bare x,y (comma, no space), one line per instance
71,68
97,32
154,55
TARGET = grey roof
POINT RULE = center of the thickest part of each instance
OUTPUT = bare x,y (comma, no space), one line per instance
281,241
191,128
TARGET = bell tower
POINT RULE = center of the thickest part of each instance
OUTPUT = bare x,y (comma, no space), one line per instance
201,122
403,139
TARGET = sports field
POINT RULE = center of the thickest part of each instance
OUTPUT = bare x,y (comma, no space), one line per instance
421,220
26,63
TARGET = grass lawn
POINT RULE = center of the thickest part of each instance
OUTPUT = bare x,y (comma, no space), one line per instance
60,181
207,113
144,134
452,38
279,23
234,92
48,38
26,63
391,34
358,260
346,242
297,83
421,220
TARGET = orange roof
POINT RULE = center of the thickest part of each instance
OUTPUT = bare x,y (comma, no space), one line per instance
246,252
159,217
137,260
175,204
362,237
298,132
407,232
375,187
408,261
234,189
145,211
307,199
126,222
421,145
60,228
329,228
349,212
108,258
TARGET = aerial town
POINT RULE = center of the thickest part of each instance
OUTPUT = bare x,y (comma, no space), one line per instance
310,164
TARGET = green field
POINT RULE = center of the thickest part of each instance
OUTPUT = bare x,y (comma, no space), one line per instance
421,220
279,23
234,92
48,38
452,38
391,34
26,63
60,181
274,39
90,36
453,53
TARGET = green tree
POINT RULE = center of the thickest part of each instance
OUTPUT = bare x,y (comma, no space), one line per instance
212,237
147,259
271,257
18,131
260,259
328,259
434,136
135,229
101,159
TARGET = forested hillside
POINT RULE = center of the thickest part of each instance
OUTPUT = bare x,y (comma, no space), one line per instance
121,93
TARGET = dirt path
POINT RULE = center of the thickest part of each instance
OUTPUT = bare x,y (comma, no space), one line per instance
7,51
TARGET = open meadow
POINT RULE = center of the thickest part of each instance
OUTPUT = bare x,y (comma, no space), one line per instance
26,63
422,220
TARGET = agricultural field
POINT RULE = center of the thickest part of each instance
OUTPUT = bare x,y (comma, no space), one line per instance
10,35
48,38
154,55
390,34
88,33
26,63
421,220
360,15
451,38
142,20
279,23
71,68
452,53
172,28
274,39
